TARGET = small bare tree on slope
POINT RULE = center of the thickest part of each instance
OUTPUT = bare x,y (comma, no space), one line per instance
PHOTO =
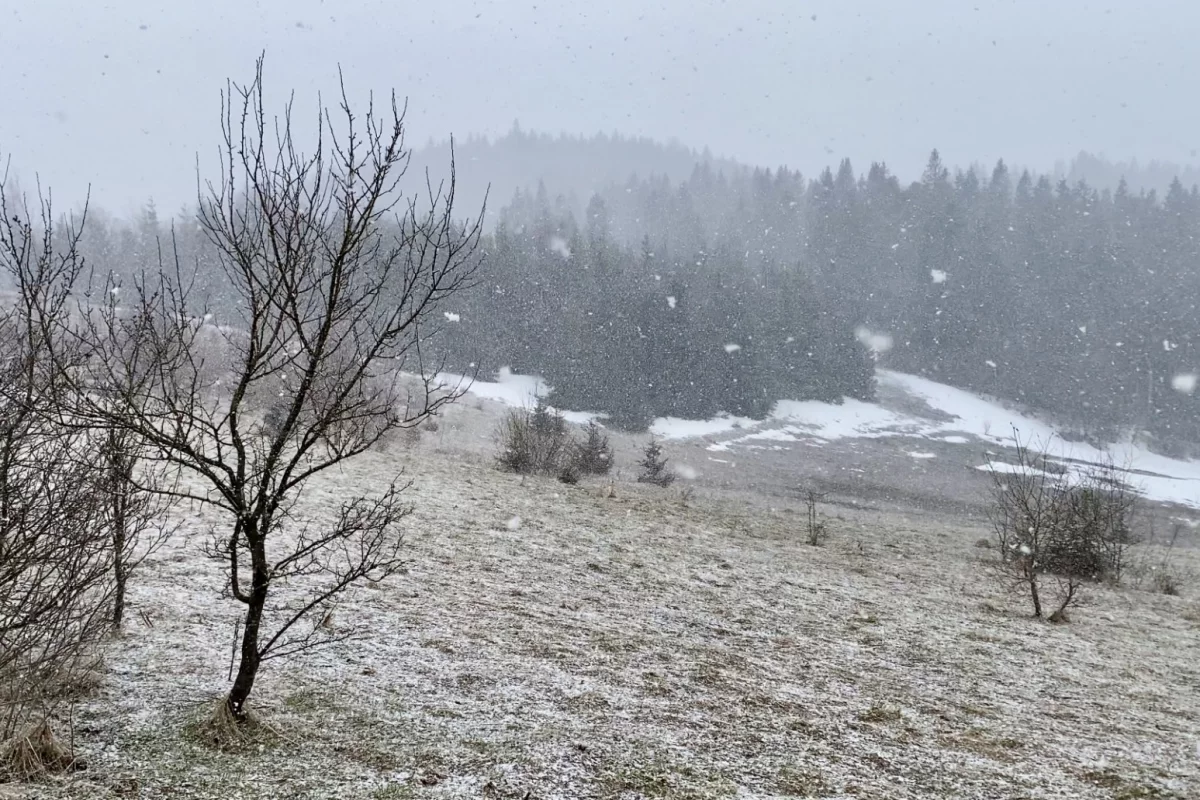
1071,530
339,279
55,555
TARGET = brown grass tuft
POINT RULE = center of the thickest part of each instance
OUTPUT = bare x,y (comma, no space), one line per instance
35,751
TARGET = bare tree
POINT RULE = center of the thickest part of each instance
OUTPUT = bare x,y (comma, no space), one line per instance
136,508
1051,525
339,279
816,528
55,557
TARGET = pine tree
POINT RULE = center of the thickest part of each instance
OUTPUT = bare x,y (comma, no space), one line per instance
654,466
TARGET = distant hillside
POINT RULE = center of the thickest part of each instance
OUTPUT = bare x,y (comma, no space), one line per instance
1101,173
570,167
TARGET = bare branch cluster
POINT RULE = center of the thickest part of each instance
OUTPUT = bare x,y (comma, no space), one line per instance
56,558
1052,525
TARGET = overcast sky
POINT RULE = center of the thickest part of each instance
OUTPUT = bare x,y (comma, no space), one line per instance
124,95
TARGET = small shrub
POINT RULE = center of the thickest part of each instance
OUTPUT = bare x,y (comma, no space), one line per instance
274,417
569,474
654,466
1168,582
817,532
533,442
593,456
1046,524
1165,574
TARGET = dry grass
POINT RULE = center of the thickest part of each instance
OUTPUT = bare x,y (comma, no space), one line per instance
630,646
34,752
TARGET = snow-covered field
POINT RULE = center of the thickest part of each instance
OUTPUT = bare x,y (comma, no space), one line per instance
549,642
929,411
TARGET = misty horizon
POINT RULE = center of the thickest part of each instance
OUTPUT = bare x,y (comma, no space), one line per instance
127,103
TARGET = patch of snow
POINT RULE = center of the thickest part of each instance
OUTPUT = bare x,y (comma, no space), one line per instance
920,454
675,428
509,388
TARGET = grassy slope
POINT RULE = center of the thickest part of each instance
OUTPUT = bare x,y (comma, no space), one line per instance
639,647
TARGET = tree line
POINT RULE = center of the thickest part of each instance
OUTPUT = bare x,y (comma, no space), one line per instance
730,290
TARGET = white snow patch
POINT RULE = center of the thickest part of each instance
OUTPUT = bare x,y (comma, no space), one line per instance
509,388
676,428
920,454
1159,478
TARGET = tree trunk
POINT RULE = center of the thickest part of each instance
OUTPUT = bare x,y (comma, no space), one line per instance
120,571
118,612
1037,598
250,659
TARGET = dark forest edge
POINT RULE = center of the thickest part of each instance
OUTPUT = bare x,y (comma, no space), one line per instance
731,289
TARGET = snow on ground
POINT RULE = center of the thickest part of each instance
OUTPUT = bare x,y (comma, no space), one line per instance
675,428
638,646
958,417
513,390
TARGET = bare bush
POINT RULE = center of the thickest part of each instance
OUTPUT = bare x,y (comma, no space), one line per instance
1160,568
1055,528
654,466
136,505
56,558
817,531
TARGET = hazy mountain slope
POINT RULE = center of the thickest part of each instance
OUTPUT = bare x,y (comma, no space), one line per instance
571,166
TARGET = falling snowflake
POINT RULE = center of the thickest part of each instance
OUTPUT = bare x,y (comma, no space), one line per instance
732,348
559,245
513,523
938,276
451,316
875,342
1184,382
671,301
